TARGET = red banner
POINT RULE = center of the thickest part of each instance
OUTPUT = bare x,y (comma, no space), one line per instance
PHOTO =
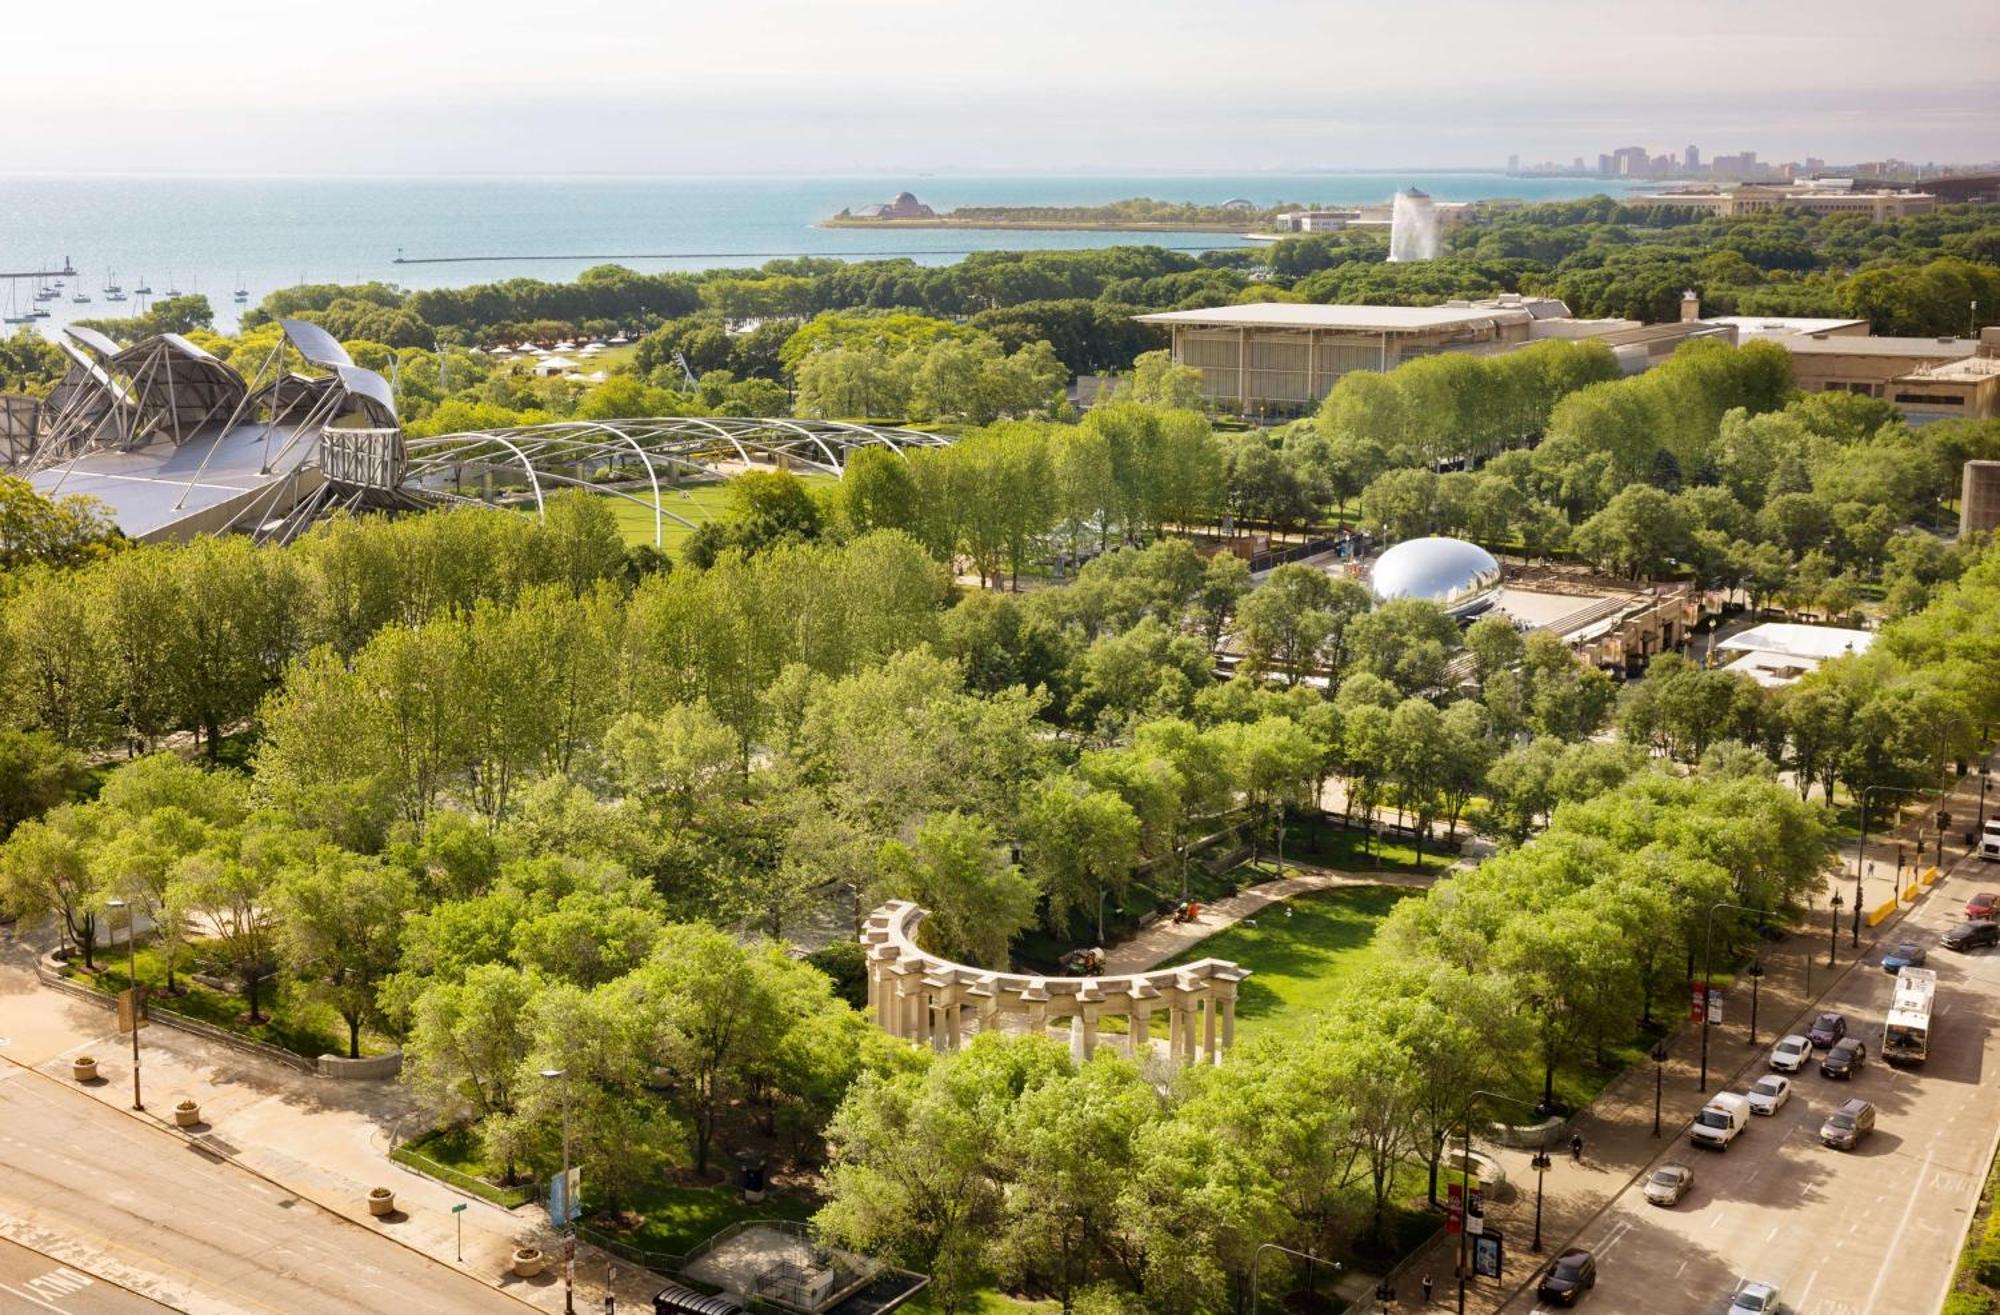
1454,1210
1697,1009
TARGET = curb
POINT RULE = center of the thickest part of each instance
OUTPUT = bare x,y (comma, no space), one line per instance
195,1143
1724,1080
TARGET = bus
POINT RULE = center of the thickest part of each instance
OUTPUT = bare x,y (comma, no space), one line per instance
1906,1038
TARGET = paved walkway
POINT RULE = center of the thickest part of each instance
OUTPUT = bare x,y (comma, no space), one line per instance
1617,1128
1165,938
324,1140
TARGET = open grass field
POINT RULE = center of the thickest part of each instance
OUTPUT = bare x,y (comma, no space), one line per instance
705,501
1301,964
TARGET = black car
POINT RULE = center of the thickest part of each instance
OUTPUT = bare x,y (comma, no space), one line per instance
1827,1029
1971,935
1844,1060
1568,1277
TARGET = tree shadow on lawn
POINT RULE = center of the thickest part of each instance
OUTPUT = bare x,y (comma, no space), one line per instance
1300,964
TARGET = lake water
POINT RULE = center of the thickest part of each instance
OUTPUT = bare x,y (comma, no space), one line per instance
212,235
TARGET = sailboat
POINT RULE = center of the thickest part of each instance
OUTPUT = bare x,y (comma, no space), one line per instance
242,294
112,292
172,291
13,315
142,290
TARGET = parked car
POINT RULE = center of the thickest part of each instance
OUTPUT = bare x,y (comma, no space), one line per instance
1767,1095
1755,1299
1971,935
1792,1052
1982,905
1669,1183
1568,1277
1726,1115
1907,954
1845,1059
1827,1029
1846,1126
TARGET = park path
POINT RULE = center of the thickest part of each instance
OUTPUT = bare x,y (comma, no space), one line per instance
1165,938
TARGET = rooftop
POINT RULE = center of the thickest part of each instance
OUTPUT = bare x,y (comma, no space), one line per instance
1364,319
1969,370
1799,641
1757,326
1935,349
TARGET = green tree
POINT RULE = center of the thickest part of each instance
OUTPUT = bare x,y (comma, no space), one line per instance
339,918
977,901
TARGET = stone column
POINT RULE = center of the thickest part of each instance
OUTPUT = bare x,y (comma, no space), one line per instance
1090,1030
948,1001
1141,1024
1229,1020
875,987
1208,1055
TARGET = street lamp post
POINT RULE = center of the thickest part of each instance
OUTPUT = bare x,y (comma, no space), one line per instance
1861,851
1833,928
1708,975
1257,1259
1985,774
1660,1075
132,980
1756,972
1465,1179
1540,1164
569,1206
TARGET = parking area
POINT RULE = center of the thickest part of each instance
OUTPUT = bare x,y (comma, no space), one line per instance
1873,1231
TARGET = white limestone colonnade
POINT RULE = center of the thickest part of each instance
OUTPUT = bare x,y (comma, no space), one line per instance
916,995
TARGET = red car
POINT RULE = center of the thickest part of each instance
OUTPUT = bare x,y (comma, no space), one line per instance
1982,905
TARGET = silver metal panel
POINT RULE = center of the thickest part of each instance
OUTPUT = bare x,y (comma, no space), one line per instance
316,344
372,389
94,340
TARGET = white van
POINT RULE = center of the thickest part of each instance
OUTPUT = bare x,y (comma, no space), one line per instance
1989,840
1720,1120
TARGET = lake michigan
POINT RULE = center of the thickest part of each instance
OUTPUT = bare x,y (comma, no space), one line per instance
212,235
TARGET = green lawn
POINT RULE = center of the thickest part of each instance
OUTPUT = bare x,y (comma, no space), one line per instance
678,1219
1301,964
699,501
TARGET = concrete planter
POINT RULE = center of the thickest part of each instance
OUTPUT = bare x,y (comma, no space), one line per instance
381,1201
83,1068
528,1262
187,1114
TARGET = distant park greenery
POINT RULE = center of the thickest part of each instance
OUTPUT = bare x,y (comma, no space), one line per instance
509,794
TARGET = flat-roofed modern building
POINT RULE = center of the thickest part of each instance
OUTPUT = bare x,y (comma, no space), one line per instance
1288,355
1876,206
1925,378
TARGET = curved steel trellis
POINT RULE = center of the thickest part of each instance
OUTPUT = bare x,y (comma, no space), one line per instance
594,454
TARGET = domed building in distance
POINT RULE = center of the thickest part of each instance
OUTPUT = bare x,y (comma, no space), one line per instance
1462,578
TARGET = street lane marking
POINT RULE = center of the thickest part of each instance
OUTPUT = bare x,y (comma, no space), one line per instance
1896,1238
31,1297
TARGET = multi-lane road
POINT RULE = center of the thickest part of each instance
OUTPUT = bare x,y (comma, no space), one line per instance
98,1196
1873,1231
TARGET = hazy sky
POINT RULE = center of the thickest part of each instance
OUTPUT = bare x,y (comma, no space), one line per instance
894,86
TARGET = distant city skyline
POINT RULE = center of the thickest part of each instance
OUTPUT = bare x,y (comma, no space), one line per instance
1037,86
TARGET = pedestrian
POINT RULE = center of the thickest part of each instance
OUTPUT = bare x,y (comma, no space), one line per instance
1576,1147
1427,1289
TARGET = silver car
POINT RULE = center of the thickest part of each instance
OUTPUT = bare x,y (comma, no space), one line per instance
1755,1299
1768,1094
1669,1183
1791,1053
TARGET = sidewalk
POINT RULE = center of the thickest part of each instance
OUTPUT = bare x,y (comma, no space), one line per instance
1617,1128
323,1140
1165,938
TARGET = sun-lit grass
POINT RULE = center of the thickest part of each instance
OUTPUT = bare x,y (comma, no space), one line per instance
1303,963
